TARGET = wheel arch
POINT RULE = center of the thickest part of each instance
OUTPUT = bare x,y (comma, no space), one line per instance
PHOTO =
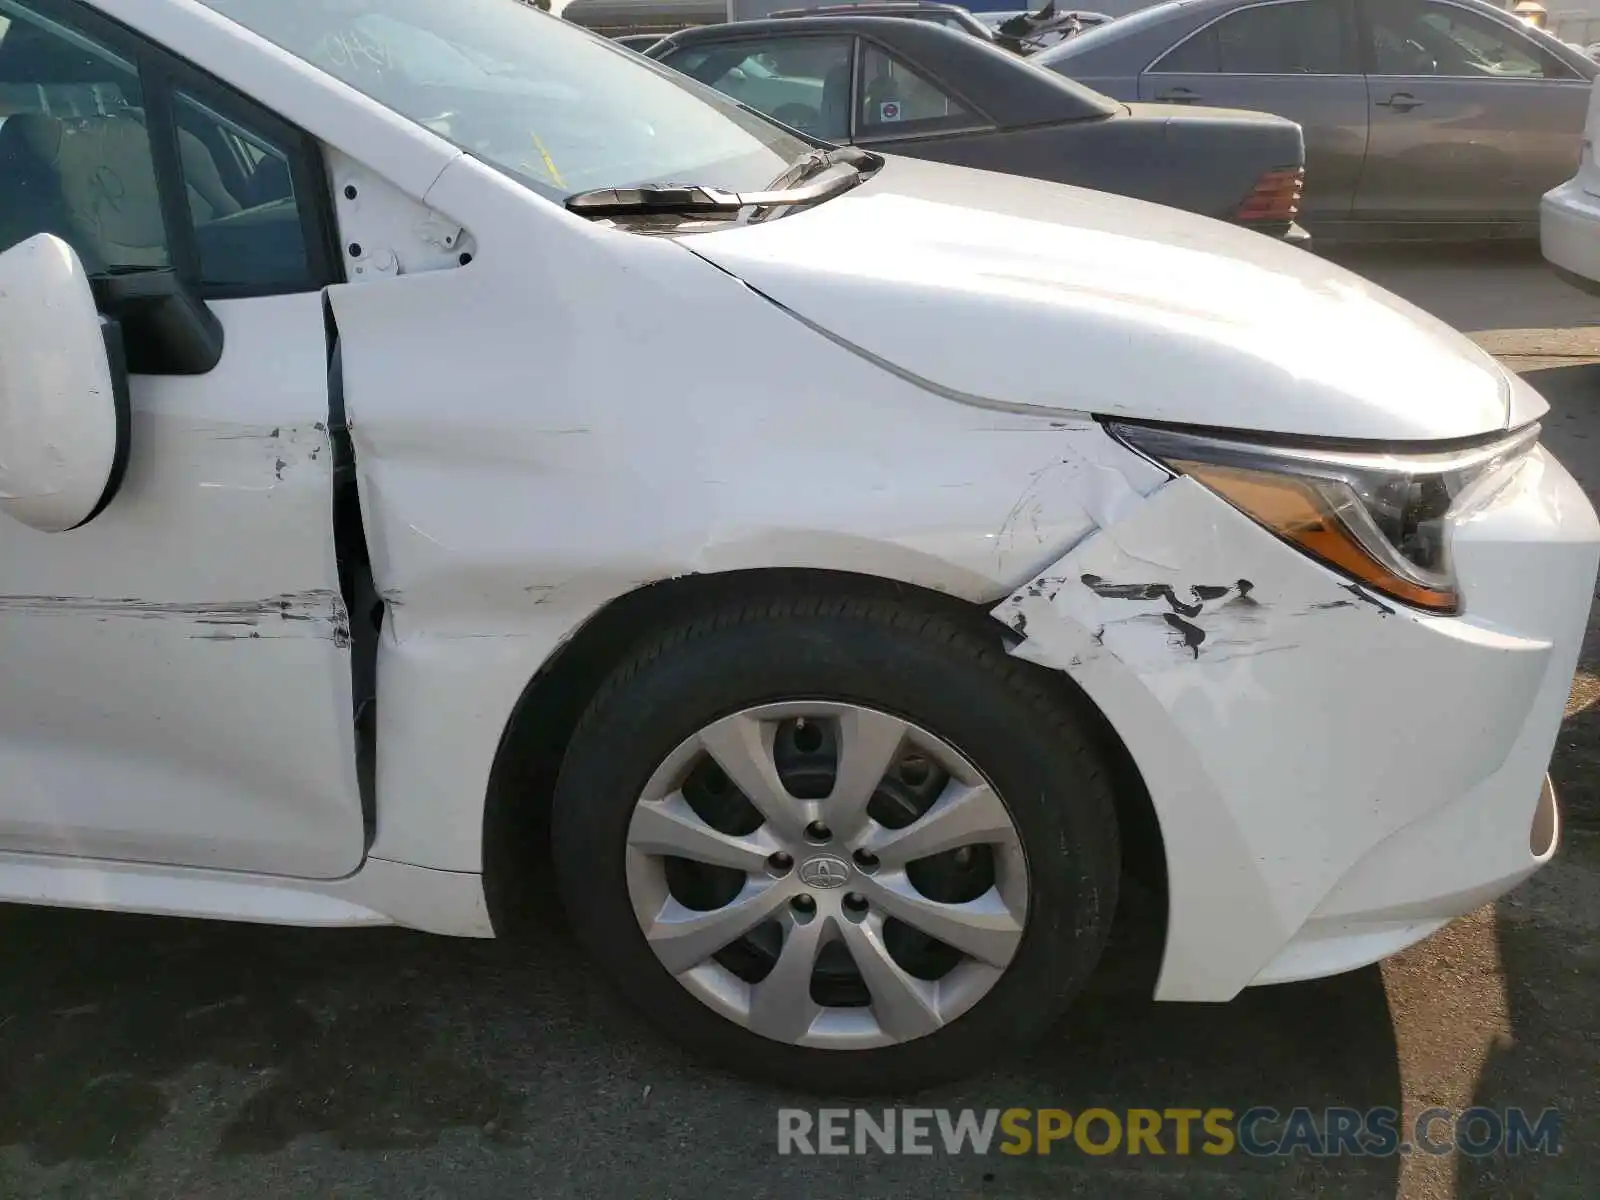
516,810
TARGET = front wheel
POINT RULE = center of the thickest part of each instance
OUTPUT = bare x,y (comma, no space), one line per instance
847,845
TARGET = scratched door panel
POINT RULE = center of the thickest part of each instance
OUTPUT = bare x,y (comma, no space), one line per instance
174,677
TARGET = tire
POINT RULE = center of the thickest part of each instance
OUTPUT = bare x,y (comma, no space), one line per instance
913,659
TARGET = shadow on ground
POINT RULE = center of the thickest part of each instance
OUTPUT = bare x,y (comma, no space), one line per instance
114,1030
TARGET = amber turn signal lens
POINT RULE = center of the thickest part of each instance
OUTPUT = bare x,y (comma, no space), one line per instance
1276,198
1297,512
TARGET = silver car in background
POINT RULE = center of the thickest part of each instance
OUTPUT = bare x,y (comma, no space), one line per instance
1422,118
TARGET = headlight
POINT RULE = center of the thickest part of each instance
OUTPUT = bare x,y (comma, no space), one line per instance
1380,517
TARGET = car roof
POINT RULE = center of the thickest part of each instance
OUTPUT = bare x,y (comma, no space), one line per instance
1129,44
921,9
867,7
1007,89
1148,32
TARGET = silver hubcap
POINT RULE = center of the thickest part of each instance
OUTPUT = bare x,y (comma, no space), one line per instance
827,875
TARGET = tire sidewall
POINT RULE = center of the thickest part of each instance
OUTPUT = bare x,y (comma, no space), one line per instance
1045,772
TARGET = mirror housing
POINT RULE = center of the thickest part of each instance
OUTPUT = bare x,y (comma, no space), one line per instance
64,414
166,328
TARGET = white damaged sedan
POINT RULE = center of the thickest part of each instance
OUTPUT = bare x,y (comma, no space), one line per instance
435,443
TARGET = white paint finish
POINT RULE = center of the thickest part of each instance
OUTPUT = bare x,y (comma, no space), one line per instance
1569,216
543,430
1523,402
1569,230
1025,293
58,417
380,893
407,155
1323,949
395,234
503,516
1322,758
174,677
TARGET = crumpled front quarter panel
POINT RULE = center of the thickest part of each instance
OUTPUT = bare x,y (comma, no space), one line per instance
583,412
1244,678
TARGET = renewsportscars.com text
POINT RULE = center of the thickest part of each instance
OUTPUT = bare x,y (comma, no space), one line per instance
1260,1131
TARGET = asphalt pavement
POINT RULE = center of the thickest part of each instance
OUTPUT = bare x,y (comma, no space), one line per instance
153,1058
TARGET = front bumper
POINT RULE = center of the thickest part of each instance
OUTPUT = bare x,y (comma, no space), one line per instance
1569,234
1335,776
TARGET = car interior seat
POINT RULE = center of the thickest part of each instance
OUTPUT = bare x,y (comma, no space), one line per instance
105,181
33,201
83,166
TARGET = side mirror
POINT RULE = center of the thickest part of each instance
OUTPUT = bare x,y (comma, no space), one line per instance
64,418
166,328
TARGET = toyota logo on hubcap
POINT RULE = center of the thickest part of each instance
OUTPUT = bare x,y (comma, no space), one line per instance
824,871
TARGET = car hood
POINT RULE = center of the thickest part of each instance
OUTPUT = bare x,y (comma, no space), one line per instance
1009,292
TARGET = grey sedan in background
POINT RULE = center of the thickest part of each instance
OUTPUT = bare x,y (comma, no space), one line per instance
1422,118
918,89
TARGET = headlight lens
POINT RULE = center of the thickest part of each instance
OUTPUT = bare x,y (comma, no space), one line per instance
1382,518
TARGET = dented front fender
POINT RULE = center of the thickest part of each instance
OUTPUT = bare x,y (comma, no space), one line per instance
1284,720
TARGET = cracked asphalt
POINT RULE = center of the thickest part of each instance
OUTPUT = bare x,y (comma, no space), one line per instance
153,1058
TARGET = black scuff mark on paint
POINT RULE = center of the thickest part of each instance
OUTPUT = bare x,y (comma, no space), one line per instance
1019,622
314,603
1046,587
277,469
1193,636
1332,604
1355,590
1245,598
1154,591
246,617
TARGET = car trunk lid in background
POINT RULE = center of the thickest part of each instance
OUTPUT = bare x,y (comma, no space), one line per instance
1007,291
1234,156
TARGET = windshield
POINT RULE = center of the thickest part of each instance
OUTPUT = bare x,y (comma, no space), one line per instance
545,101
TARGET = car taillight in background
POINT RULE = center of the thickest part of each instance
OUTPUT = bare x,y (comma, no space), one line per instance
1275,199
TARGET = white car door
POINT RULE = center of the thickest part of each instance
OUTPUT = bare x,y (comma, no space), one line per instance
175,675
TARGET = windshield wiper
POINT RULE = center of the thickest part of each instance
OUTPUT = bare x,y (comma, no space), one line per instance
823,176
812,162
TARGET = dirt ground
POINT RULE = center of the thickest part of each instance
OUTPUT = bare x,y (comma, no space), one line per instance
162,1059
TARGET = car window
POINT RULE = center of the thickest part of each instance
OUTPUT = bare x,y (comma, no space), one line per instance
242,199
539,98
77,160
75,155
898,101
1410,37
1304,38
802,81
